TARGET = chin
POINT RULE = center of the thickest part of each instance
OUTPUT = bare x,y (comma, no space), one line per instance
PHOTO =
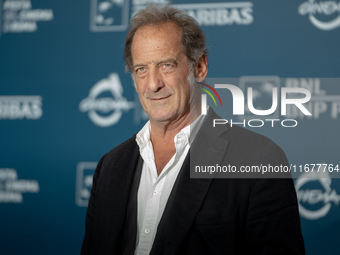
162,116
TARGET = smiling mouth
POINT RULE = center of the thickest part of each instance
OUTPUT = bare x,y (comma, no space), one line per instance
160,98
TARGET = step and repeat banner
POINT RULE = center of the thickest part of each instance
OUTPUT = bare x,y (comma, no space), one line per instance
65,100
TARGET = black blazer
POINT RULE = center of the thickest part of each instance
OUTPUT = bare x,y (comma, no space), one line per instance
202,216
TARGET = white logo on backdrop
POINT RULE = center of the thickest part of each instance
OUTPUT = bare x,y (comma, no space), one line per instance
320,103
326,8
20,107
115,104
220,14
327,196
113,15
11,188
85,172
262,92
19,17
109,15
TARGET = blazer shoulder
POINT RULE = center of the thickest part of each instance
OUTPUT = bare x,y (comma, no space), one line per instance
233,133
246,136
121,152
255,146
240,139
118,158
124,147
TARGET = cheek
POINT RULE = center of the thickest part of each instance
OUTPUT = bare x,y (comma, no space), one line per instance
139,87
186,90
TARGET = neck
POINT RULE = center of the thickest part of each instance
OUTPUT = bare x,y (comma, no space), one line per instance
166,131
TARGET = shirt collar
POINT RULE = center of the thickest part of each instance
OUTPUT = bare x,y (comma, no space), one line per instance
188,133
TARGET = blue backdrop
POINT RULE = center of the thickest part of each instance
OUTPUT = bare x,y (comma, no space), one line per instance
65,100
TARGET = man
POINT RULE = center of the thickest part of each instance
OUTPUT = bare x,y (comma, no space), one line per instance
143,200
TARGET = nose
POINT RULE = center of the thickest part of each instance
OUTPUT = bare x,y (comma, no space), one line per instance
155,80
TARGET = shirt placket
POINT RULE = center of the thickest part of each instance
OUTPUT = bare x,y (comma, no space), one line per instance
151,210
151,216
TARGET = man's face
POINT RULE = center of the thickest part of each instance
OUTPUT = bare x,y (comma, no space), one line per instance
160,70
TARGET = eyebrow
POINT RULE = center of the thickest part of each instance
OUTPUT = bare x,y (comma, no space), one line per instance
138,65
169,60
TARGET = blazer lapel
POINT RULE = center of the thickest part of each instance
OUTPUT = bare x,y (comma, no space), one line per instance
188,194
130,229
117,196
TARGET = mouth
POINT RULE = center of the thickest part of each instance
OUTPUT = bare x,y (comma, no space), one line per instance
160,98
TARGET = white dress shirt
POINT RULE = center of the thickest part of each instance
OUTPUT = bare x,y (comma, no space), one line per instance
154,190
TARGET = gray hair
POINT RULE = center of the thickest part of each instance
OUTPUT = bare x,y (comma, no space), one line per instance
193,38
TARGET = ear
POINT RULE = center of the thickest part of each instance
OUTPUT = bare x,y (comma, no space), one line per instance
201,68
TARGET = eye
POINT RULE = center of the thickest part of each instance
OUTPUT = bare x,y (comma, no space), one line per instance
141,71
167,67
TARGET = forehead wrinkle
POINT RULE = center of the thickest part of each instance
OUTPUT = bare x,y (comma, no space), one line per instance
152,31
172,60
